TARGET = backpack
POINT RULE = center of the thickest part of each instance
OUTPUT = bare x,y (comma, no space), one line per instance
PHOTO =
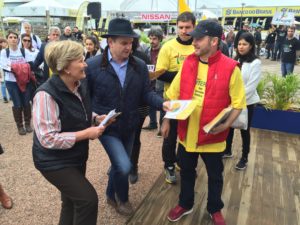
21,49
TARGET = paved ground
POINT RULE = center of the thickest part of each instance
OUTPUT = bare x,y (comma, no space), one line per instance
38,203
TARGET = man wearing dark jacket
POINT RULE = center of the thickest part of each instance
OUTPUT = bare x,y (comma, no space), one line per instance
281,36
289,47
258,40
155,36
118,80
67,35
53,35
236,40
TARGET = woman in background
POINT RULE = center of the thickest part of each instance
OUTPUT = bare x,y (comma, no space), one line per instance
251,72
3,45
20,98
91,47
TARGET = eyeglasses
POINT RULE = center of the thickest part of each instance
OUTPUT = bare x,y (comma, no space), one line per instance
26,40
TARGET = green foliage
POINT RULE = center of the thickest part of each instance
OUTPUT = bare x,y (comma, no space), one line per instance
280,93
144,38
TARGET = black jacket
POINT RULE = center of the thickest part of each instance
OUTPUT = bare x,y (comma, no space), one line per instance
37,62
107,93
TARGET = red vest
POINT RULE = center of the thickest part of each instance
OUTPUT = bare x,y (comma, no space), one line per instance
216,97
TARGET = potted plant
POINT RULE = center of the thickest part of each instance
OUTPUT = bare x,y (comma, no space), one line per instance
279,108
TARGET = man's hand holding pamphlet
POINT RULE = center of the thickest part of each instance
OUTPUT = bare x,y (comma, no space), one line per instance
241,122
220,118
180,109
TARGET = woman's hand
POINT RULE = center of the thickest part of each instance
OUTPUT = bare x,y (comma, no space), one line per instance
89,133
98,119
94,132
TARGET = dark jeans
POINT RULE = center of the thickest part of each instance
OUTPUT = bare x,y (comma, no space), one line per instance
159,87
287,68
258,50
152,116
137,145
79,198
270,50
118,151
19,98
277,51
169,145
245,134
214,167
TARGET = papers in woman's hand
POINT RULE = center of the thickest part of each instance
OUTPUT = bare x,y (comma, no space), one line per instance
111,115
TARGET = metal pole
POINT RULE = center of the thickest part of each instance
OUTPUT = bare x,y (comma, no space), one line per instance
48,18
242,12
195,5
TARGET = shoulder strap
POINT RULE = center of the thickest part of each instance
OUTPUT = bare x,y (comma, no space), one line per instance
7,52
34,38
22,52
21,49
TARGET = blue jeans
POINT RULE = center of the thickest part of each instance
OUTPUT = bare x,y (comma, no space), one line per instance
19,98
287,68
118,151
3,90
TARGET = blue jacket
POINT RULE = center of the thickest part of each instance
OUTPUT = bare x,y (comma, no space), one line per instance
38,61
107,93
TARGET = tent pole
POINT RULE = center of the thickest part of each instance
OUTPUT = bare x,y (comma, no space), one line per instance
48,18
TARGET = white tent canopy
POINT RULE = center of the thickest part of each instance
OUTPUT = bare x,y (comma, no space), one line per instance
206,14
39,8
43,4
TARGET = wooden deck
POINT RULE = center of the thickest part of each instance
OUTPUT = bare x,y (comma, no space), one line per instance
267,193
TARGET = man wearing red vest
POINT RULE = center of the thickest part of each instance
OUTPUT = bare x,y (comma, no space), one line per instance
214,81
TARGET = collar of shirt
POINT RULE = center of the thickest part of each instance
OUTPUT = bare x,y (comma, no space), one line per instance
120,69
75,92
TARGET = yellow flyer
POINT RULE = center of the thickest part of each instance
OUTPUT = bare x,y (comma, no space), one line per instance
181,109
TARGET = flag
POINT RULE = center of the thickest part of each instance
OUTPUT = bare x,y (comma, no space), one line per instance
80,14
183,7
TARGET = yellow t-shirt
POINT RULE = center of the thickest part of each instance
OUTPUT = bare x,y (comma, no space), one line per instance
238,101
171,56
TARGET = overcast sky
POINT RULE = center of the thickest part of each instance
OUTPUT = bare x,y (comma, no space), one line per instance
139,4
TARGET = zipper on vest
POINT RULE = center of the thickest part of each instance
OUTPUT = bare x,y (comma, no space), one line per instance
86,118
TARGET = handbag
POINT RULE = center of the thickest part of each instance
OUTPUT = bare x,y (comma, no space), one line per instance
241,121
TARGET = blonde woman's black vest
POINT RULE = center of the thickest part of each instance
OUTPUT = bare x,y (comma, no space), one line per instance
75,115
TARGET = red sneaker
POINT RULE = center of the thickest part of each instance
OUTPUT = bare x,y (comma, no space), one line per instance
176,213
218,218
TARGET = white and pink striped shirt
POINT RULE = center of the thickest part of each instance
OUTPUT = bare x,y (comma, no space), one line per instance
47,125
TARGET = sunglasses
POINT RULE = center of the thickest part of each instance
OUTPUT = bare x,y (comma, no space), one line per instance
26,40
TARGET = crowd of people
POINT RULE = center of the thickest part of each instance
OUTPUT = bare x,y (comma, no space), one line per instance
71,78
280,44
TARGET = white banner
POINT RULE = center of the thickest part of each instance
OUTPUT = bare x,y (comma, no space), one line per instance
283,18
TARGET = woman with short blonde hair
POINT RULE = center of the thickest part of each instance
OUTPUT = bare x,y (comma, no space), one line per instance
62,119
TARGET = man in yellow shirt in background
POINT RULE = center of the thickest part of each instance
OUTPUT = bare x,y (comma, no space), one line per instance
169,61
215,82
